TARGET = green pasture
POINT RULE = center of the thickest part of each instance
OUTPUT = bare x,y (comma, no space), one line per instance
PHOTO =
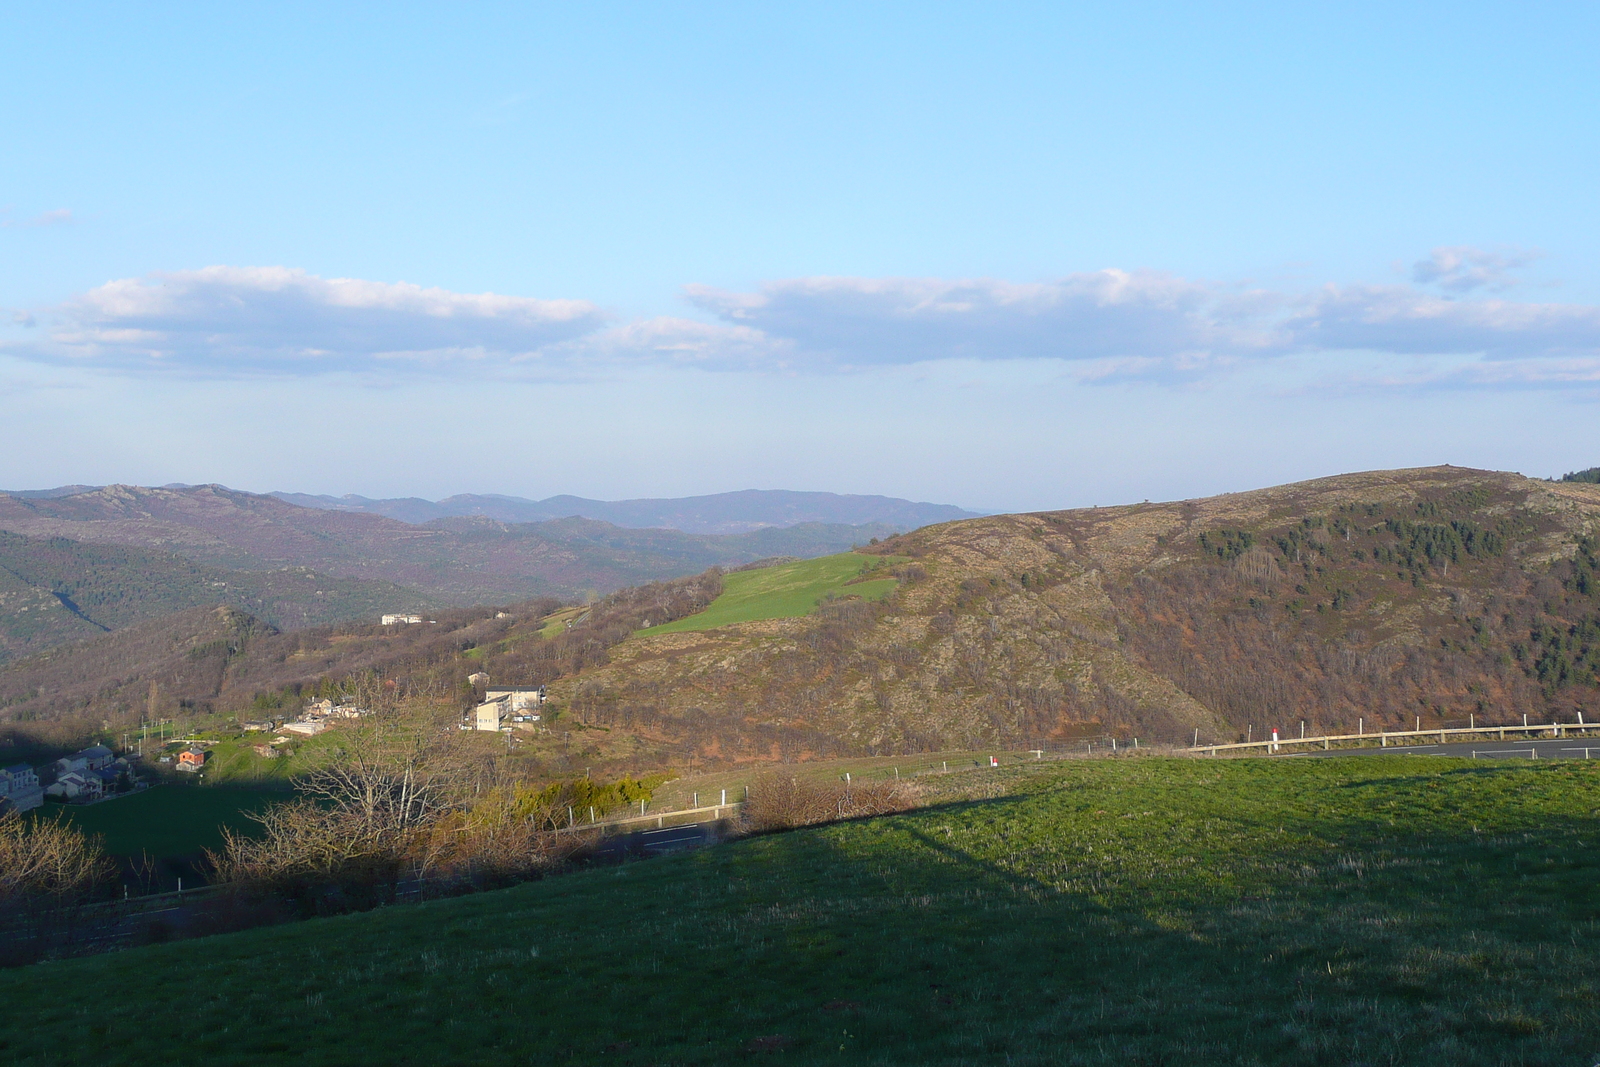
556,623
169,820
234,762
1388,910
932,769
786,591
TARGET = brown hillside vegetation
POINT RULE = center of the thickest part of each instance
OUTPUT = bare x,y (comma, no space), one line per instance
461,561
1439,592
195,665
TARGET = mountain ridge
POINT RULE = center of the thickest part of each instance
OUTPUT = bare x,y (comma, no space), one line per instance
741,511
458,560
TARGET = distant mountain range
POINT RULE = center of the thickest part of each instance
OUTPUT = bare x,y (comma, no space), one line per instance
719,513
89,560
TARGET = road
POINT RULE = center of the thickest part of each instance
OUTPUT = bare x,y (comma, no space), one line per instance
671,839
1545,748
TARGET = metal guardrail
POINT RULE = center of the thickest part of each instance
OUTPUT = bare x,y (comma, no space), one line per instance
1383,737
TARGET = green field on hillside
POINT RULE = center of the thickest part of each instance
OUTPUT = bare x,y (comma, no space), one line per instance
786,591
1390,910
169,820
233,761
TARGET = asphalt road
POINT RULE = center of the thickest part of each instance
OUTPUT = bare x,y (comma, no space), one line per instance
1544,748
671,839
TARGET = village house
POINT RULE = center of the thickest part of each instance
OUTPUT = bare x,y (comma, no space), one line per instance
491,714
77,785
191,760
305,727
93,758
265,751
20,789
327,709
399,620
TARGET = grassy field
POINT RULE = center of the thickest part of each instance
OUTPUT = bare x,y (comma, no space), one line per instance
1387,910
680,792
786,591
169,820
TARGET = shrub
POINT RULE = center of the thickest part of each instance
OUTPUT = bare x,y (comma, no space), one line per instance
782,802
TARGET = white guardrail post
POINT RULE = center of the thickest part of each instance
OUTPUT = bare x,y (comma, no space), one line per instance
1555,729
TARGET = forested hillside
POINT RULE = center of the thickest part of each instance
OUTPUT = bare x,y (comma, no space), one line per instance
54,591
1440,593
1433,594
208,665
462,560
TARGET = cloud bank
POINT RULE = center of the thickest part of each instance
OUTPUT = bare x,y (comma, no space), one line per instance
1098,325
251,319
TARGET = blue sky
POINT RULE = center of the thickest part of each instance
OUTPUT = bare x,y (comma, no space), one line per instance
1017,256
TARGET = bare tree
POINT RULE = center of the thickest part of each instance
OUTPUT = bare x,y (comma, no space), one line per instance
47,858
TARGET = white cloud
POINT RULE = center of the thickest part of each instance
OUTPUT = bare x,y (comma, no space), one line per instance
1102,326
1403,320
59,217
1462,268
1104,315
679,342
228,320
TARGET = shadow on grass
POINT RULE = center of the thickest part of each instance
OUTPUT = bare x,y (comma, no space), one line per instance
1165,915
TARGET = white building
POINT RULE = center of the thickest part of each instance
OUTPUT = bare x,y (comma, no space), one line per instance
308,727
394,620
521,698
490,714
